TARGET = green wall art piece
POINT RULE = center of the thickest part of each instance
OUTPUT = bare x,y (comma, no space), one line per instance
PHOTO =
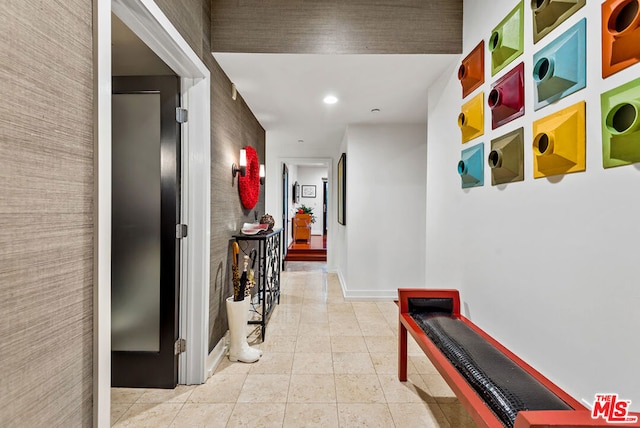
506,158
507,39
621,125
471,166
560,68
548,14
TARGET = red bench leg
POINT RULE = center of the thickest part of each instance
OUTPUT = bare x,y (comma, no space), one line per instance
402,352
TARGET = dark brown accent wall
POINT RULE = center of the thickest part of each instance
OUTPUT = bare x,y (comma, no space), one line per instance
233,126
46,214
337,26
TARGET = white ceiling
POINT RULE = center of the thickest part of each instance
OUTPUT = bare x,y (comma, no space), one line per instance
285,91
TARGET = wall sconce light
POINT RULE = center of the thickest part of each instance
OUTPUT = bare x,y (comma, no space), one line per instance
262,174
242,167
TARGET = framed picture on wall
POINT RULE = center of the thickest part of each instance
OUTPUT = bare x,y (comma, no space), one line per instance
342,189
308,191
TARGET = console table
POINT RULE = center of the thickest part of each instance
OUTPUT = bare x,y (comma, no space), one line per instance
267,272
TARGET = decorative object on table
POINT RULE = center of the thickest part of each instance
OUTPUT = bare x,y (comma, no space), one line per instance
620,35
308,191
507,39
560,68
238,314
342,189
548,14
253,228
471,71
471,166
506,99
249,184
559,143
471,118
621,125
268,220
506,158
303,209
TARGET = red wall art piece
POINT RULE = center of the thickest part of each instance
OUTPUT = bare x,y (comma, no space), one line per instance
249,185
471,71
506,99
620,35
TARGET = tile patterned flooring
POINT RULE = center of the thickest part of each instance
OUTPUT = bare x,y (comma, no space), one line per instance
327,363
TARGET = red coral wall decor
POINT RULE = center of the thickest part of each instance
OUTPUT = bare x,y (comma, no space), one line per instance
249,185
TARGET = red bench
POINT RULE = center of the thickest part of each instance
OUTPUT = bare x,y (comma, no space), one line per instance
412,301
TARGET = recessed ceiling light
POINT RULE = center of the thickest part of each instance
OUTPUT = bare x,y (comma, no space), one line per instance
300,141
375,110
330,99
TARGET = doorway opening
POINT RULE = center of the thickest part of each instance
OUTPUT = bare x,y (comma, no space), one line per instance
305,210
148,23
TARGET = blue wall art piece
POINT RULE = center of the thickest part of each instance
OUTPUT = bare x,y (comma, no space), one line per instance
560,68
471,166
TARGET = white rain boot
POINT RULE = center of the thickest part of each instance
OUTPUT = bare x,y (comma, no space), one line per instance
239,349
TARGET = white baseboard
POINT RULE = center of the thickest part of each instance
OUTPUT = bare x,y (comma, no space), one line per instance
353,295
217,354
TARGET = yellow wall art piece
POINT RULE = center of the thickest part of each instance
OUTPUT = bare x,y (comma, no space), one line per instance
471,118
559,142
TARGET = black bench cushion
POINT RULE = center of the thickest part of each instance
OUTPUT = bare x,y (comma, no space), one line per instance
501,383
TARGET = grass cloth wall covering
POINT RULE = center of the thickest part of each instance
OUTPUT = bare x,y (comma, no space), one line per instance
46,214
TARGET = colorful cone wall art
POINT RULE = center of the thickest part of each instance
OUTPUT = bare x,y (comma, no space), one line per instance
471,71
559,143
506,42
620,35
506,99
548,14
471,166
506,158
621,125
471,118
560,68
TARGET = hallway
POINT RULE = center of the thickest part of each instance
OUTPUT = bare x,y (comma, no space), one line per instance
327,363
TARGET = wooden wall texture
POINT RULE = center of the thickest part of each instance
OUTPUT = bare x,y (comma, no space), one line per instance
337,26
46,214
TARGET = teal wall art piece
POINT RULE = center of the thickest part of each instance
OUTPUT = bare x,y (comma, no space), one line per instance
471,166
560,68
548,14
506,158
506,42
621,125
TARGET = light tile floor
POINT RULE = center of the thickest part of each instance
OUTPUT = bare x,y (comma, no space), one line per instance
327,363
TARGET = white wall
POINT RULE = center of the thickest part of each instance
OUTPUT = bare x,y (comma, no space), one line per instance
547,266
386,176
312,176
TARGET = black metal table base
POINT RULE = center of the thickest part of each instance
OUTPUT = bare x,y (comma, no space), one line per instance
267,274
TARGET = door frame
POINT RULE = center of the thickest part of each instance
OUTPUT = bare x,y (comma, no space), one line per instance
150,24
